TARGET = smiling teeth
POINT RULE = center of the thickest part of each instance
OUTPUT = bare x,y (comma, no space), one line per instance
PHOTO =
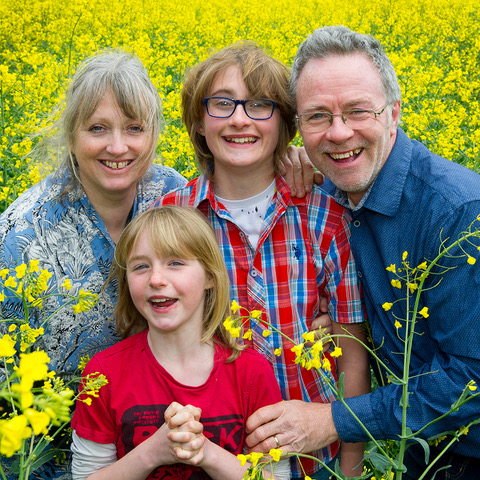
351,153
242,140
117,165
161,300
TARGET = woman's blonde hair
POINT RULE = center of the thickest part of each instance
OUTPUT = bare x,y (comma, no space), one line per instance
180,232
264,77
112,71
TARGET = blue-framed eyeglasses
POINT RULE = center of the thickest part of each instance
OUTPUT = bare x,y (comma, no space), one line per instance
224,107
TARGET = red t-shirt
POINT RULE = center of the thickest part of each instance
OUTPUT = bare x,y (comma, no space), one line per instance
131,407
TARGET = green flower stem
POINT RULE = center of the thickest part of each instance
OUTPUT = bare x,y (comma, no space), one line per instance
72,299
333,387
8,384
449,444
409,335
409,332
452,410
30,292
412,316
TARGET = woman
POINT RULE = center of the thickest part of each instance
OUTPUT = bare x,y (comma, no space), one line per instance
106,139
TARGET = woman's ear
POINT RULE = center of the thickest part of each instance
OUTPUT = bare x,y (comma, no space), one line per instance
200,129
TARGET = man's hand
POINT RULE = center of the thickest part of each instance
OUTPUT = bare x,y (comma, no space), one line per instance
299,172
297,426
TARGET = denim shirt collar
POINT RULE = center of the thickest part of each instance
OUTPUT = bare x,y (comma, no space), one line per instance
385,194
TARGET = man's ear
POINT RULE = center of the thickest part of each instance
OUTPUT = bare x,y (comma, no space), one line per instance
396,113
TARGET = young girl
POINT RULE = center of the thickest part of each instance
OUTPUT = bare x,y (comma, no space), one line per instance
173,298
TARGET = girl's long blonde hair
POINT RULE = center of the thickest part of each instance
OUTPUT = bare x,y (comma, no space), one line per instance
186,233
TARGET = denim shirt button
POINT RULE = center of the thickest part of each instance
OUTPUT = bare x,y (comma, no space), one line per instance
356,223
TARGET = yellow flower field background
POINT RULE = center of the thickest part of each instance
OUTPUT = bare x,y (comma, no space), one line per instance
434,45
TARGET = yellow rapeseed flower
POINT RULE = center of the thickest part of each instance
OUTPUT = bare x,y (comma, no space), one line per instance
275,453
7,346
247,335
33,365
235,306
298,349
33,266
337,352
255,457
12,434
424,312
10,282
396,283
326,365
21,270
235,332
387,306
309,336
86,301
83,362
39,421
412,286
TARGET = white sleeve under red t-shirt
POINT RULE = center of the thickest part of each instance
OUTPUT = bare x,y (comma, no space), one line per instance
131,406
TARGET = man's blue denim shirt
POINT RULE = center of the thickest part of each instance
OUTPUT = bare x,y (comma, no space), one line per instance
417,201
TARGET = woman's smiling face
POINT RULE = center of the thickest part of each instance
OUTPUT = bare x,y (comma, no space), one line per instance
109,148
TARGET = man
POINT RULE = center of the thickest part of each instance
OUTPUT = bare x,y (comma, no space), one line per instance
402,198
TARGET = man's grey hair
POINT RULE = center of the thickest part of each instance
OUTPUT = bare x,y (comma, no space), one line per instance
339,40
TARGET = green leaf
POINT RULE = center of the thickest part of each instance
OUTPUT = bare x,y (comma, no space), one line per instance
380,462
340,475
402,399
425,445
43,458
442,468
